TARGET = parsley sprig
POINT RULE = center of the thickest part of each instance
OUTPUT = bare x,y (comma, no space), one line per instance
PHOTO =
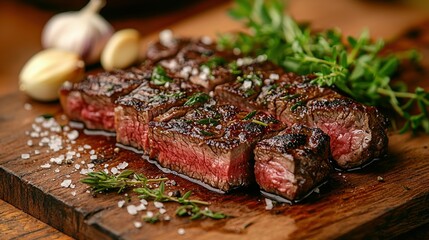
103,182
355,67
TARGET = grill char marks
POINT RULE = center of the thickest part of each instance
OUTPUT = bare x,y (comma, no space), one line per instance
211,143
135,110
357,132
92,100
293,162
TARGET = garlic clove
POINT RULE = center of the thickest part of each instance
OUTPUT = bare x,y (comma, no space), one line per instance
42,76
122,50
84,32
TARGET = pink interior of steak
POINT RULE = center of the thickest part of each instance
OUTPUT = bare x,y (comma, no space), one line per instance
224,170
131,129
94,116
274,177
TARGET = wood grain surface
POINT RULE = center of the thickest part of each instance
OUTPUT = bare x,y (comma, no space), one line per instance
352,205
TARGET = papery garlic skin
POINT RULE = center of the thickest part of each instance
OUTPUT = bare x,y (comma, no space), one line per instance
84,32
42,76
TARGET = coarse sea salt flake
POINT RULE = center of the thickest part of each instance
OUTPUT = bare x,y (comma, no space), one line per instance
141,207
73,135
162,211
66,183
121,203
269,204
114,170
181,231
73,193
132,209
158,204
137,224
122,165
47,165
25,156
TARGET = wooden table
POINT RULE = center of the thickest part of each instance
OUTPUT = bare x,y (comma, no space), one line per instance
21,25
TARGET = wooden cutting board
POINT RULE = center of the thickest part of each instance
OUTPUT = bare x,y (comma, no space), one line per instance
350,205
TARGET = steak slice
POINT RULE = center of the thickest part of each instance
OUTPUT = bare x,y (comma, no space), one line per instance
92,100
212,143
357,132
202,64
135,110
292,163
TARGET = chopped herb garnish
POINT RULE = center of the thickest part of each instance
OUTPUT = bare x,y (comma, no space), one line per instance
205,133
296,105
250,115
214,62
196,212
208,121
259,122
153,219
233,68
159,76
197,98
249,92
355,67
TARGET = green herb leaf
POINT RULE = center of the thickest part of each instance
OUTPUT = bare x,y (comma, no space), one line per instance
250,115
208,121
159,76
197,98
355,68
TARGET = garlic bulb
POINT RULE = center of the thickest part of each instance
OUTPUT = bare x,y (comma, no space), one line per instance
42,76
122,50
84,32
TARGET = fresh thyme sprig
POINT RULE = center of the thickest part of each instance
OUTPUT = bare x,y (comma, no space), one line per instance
356,68
103,182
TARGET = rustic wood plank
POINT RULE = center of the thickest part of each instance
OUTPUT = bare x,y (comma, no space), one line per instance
351,205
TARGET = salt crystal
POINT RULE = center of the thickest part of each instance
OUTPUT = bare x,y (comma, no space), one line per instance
84,171
66,183
86,146
269,204
37,152
206,40
149,214
28,106
114,170
106,165
92,152
137,224
30,142
274,76
25,156
162,211
73,193
166,38
77,166
121,203
144,201
122,165
73,135
57,170
66,128
47,165
93,157
316,190
167,218
116,150
181,231
158,204
141,207
91,165
80,149
132,210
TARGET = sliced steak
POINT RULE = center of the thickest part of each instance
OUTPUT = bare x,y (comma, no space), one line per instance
92,100
357,132
202,64
135,110
293,162
212,143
